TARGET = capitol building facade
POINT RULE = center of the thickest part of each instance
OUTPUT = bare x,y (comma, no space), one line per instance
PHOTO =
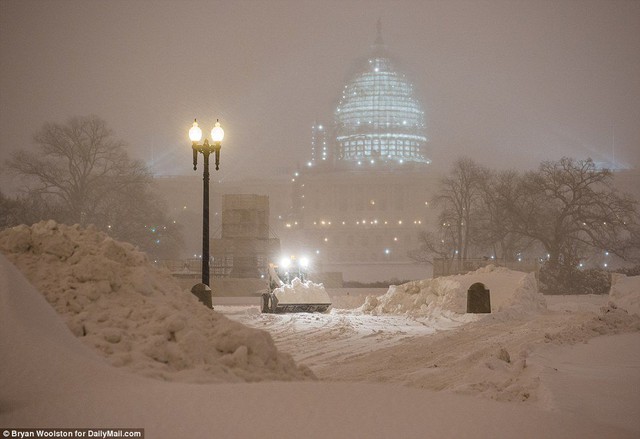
359,203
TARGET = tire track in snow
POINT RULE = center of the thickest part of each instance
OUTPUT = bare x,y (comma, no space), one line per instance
324,340
488,356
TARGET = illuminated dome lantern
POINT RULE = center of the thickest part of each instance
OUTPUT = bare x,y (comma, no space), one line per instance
378,116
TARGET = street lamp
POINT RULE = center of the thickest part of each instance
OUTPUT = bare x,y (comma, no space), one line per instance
195,134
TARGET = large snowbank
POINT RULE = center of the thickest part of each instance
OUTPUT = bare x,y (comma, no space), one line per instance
136,315
302,292
510,291
48,378
625,292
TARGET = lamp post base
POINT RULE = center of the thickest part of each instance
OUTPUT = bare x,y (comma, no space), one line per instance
203,293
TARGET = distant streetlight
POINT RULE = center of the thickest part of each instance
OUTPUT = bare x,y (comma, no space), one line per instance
195,134
285,262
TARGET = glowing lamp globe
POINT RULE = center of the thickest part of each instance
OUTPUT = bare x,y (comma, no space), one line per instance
217,133
195,133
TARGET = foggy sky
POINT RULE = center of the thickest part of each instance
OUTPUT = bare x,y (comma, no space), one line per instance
507,83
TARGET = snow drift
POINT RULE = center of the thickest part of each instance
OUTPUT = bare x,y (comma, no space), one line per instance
625,292
135,315
511,292
621,314
49,378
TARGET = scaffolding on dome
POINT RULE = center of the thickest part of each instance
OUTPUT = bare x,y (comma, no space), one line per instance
379,117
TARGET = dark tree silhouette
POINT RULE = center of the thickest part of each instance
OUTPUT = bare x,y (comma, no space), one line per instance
81,174
569,204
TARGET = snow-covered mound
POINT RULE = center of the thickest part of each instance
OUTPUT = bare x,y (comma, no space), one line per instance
49,377
136,315
302,292
608,321
510,292
625,292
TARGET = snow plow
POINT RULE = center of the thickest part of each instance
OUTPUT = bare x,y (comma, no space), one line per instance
295,295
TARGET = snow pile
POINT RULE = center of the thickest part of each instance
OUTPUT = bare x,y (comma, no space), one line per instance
302,292
50,378
620,315
510,292
610,320
625,292
136,315
523,299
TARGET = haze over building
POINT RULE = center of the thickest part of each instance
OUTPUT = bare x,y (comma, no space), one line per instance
358,201
363,196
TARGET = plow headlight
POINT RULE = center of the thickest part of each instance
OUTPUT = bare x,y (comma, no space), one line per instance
285,262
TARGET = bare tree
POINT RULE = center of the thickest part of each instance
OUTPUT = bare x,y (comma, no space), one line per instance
80,165
25,209
492,229
81,174
433,245
569,204
565,209
459,198
10,209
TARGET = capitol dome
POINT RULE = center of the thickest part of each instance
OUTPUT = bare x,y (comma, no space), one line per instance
378,116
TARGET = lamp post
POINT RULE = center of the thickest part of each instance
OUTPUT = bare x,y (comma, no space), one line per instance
195,134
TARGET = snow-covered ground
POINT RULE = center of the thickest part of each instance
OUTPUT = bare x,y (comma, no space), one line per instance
331,338
489,355
405,363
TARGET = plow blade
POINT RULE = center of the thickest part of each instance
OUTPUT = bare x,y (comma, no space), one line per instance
282,308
